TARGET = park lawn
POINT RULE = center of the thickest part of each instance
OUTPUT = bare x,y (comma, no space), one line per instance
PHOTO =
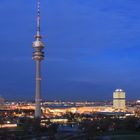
125,137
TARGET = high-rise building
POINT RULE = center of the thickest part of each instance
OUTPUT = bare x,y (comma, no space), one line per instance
119,100
1,102
38,55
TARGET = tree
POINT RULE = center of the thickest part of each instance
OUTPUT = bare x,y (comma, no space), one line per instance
52,130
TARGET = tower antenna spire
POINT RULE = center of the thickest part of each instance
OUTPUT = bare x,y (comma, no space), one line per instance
38,20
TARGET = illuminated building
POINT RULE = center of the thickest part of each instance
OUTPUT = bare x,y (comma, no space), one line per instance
1,101
38,55
119,100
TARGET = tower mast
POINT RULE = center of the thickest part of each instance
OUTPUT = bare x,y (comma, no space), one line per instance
38,55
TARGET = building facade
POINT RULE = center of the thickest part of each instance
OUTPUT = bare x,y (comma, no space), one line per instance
119,100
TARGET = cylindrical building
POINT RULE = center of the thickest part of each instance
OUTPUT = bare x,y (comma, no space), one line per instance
119,100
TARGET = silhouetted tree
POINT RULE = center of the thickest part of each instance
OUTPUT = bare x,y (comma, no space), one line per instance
52,130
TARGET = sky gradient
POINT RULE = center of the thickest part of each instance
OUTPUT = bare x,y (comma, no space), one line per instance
92,48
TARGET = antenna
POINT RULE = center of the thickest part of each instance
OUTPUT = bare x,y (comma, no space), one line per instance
38,20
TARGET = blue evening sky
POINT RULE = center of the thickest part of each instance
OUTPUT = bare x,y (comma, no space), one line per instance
92,48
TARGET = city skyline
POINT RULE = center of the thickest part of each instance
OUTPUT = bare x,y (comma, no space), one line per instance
93,48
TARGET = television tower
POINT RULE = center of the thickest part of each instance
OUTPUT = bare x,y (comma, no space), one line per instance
38,55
